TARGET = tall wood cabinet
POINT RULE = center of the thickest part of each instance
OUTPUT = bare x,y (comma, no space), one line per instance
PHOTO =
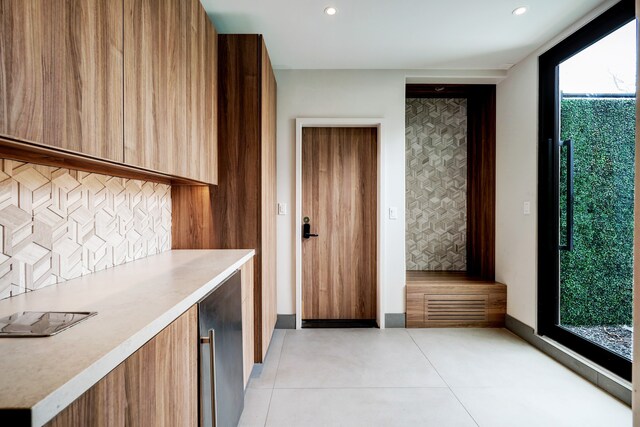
61,74
244,202
240,212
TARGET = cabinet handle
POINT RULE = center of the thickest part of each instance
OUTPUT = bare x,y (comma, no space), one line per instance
212,372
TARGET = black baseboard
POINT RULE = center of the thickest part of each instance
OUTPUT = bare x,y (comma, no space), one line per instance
391,320
333,323
394,320
286,321
608,382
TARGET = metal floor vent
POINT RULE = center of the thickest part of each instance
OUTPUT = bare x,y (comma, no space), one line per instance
462,308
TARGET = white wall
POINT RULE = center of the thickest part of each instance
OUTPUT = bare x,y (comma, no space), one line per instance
346,94
516,182
352,94
381,94
516,179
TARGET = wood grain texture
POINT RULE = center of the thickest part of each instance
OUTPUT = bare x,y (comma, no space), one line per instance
61,74
170,88
481,181
246,274
32,153
155,34
339,195
156,386
199,151
209,159
237,198
244,199
161,379
453,299
102,405
269,203
191,217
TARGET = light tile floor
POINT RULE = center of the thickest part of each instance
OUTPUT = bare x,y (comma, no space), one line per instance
420,377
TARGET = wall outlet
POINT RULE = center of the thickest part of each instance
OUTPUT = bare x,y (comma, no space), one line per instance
393,213
282,208
526,208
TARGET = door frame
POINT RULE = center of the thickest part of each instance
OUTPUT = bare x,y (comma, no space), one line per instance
380,280
548,269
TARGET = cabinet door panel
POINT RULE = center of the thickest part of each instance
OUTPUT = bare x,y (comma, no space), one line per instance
209,158
170,88
61,74
154,87
156,386
247,320
268,157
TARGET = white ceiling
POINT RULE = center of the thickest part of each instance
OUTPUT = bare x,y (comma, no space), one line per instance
398,34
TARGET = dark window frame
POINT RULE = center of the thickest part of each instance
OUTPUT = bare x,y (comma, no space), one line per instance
548,186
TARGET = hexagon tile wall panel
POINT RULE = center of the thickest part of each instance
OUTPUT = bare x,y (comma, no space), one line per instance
436,184
58,224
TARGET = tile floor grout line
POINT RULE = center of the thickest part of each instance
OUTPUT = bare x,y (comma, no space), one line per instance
443,380
275,378
361,388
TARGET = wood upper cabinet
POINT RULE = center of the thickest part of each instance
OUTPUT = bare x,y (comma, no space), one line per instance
61,74
156,386
170,88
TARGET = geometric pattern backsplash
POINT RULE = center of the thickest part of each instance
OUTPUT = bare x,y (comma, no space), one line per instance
436,184
58,224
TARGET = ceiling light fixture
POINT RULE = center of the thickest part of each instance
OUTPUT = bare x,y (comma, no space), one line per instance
520,10
330,11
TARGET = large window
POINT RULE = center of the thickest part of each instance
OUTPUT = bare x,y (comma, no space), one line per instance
586,189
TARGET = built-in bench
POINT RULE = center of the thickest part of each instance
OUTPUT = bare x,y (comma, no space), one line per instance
442,299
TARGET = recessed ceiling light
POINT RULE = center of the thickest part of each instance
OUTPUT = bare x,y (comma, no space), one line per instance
331,11
520,10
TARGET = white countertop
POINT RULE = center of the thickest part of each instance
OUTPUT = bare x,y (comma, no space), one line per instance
134,301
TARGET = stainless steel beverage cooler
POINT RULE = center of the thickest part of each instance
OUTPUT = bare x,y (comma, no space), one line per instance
221,380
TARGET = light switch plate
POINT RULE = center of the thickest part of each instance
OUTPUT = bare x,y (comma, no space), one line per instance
526,208
393,213
282,208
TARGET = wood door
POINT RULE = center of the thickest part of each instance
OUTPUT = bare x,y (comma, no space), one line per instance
61,74
339,195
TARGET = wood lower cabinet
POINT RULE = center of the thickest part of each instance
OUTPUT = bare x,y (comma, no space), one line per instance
246,273
170,88
448,299
104,404
155,386
61,74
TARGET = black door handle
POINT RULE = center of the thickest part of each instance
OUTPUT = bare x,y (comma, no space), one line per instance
306,231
